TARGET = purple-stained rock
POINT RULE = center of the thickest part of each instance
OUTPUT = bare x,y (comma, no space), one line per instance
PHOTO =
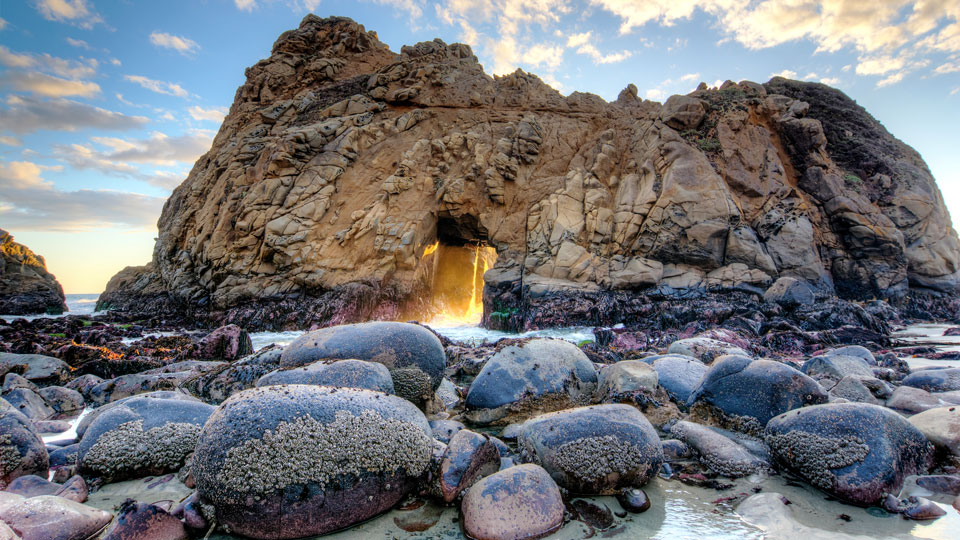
228,342
469,457
142,521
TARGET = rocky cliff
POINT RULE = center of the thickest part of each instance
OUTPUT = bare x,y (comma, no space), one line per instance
341,162
25,285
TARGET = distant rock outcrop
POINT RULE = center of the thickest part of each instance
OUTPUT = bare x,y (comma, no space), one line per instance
341,162
25,285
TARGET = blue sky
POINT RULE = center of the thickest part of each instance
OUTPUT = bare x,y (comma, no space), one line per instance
104,106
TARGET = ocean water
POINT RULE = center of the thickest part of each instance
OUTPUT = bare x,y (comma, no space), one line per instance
77,304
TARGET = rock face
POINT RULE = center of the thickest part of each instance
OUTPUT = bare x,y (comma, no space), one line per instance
341,162
25,285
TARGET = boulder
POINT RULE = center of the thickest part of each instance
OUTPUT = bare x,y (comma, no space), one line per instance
12,380
444,430
704,349
679,375
910,400
755,389
533,376
852,350
142,521
36,368
790,292
29,403
626,378
88,419
468,457
934,380
721,454
593,450
836,367
300,460
518,502
141,437
26,286
941,426
133,384
62,400
228,343
75,488
682,112
853,451
339,373
413,354
851,388
50,517
22,452
217,386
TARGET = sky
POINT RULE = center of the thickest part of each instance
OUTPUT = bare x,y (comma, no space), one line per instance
105,105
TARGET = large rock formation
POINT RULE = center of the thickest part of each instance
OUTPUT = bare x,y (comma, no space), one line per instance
341,163
25,285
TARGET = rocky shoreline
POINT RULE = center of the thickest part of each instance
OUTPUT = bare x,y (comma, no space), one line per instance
522,435
25,285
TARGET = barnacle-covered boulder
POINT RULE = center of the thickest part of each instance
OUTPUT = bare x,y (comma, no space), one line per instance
290,461
535,376
21,450
722,454
593,450
754,391
853,451
413,354
141,437
340,373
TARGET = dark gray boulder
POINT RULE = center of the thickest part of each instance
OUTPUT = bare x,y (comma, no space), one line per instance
934,380
837,366
468,457
790,292
755,389
339,373
853,451
141,437
29,403
721,454
412,353
593,450
292,461
36,368
216,386
534,376
22,452
62,400
679,375
160,394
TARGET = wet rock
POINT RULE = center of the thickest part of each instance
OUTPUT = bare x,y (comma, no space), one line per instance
50,517
413,354
675,450
704,349
853,350
62,400
468,457
941,426
64,456
912,400
190,513
29,403
21,450
721,454
141,437
853,451
136,383
757,389
75,489
519,502
51,426
36,368
836,367
595,515
32,485
940,483
339,373
444,430
912,507
299,460
84,384
448,394
634,500
679,375
626,378
216,386
790,292
771,512
537,375
228,343
161,394
851,388
141,521
934,380
593,450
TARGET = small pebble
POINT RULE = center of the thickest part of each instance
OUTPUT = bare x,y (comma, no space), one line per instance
634,500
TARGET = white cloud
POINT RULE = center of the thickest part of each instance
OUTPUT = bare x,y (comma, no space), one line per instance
165,179
412,7
29,114
71,69
180,44
47,85
158,149
636,13
245,5
75,12
159,87
213,114
656,94
115,62
879,65
79,43
690,77
584,45
786,74
948,67
891,79
830,81
28,202
10,141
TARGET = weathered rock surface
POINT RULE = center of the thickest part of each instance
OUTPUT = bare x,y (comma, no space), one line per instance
141,521
723,455
853,451
49,516
593,450
468,457
679,375
413,354
341,162
535,376
341,373
934,380
25,285
941,426
519,502
298,460
22,452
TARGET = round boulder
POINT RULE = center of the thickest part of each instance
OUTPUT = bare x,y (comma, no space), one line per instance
536,375
518,502
679,375
704,349
790,292
941,426
756,389
299,460
722,454
51,517
626,378
934,380
593,450
142,521
141,437
22,452
339,373
853,451
413,354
